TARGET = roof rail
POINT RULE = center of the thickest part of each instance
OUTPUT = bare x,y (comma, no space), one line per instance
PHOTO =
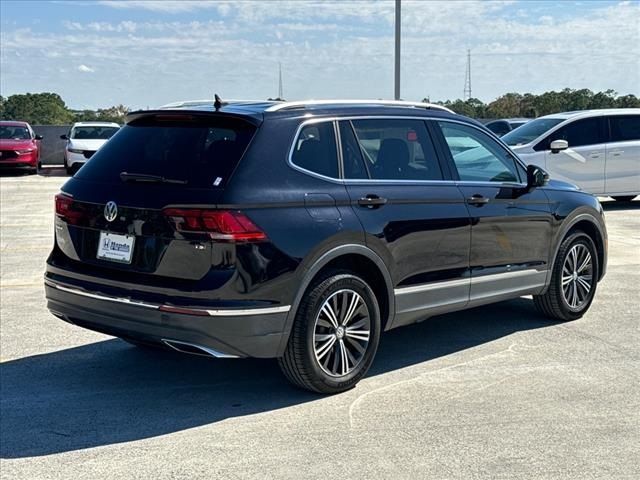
209,101
391,103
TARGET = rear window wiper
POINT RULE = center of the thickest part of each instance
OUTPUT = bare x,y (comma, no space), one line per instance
146,178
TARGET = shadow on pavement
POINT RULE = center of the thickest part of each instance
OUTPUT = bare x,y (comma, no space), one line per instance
613,206
110,392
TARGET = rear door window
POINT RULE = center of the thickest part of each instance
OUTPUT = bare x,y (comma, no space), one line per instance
203,152
624,128
580,133
397,149
315,149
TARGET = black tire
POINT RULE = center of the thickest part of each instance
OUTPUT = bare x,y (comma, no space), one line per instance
67,168
300,362
553,303
626,198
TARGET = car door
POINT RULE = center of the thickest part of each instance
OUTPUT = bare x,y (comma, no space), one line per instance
511,224
622,170
414,216
583,163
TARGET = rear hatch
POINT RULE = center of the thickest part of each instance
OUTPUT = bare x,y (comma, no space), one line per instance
144,206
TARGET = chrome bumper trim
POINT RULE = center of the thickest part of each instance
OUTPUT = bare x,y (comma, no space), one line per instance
213,313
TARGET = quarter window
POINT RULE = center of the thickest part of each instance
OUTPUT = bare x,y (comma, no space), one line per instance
315,149
625,128
477,157
396,149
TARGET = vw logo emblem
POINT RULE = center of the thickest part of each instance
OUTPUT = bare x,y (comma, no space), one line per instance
110,211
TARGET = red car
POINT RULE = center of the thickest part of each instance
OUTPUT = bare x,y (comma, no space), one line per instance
19,146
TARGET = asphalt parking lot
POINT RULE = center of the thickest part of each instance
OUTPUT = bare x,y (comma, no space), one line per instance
495,392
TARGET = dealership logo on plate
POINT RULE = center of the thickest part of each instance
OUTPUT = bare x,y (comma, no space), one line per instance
110,211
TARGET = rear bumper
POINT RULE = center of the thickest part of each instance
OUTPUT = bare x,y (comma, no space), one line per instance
256,332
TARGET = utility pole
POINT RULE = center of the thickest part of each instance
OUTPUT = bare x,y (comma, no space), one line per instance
397,53
280,94
467,78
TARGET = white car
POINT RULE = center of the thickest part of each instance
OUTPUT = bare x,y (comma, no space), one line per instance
597,150
83,140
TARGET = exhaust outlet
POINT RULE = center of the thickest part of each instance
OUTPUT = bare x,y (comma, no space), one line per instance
193,349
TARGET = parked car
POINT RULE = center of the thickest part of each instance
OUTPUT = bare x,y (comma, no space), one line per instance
598,150
19,146
83,140
505,125
304,230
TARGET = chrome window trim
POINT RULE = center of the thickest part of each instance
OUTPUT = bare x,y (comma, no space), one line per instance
371,181
155,306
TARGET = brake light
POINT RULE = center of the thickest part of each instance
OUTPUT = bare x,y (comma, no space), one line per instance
66,210
63,204
222,225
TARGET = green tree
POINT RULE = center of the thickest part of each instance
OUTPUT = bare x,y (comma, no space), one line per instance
628,101
506,106
36,108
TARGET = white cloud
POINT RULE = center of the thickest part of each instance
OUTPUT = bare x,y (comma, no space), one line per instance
166,6
328,49
84,69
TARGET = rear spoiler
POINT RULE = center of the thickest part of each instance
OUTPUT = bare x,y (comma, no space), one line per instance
252,118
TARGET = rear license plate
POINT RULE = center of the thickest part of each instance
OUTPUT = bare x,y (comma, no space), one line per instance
116,248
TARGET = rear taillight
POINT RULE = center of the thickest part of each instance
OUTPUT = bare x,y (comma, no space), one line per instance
63,204
67,210
222,225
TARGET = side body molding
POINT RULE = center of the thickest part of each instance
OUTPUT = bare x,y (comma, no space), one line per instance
322,261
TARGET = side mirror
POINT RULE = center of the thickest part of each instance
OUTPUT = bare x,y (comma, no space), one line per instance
64,137
558,145
536,176
38,137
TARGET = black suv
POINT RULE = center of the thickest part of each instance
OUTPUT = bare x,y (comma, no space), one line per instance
303,230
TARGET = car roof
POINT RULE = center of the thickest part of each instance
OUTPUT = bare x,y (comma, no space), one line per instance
594,113
13,123
260,109
95,124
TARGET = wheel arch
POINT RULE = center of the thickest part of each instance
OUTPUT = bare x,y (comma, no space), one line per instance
359,259
589,224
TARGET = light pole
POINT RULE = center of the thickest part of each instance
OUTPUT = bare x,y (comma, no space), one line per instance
397,54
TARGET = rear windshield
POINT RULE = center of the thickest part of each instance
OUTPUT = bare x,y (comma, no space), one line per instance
200,152
530,131
93,133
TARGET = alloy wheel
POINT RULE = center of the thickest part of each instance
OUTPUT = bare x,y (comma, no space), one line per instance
341,333
577,276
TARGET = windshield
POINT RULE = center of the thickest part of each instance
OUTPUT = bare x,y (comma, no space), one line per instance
200,152
93,133
530,131
8,132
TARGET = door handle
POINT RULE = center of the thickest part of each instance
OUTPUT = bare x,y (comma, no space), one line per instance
617,153
372,201
477,200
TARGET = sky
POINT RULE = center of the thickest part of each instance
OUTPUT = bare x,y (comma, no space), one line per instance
148,53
